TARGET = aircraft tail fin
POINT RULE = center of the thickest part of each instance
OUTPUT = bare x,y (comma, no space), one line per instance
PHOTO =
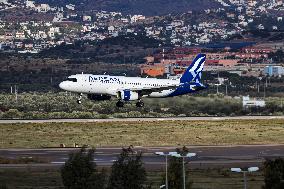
194,71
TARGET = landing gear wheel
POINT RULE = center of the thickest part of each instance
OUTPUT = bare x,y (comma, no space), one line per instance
120,104
79,100
140,104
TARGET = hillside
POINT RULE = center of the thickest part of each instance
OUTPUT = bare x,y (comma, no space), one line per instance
145,7
130,49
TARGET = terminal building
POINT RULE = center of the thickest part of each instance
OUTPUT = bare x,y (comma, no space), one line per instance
274,71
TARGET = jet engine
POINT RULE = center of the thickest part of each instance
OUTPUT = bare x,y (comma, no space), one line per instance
128,95
98,97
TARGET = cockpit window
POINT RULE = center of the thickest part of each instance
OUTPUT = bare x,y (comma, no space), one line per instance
72,79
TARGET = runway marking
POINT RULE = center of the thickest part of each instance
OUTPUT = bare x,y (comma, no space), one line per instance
98,159
110,154
141,119
58,162
27,153
60,151
209,162
217,118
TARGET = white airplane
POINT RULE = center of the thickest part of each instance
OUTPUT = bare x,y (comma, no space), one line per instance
104,87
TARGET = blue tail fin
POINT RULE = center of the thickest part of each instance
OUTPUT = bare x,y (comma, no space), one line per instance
194,71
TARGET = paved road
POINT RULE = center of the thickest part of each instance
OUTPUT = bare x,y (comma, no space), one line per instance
207,156
143,119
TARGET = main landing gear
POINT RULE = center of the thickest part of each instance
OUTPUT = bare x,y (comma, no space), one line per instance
139,104
120,104
79,99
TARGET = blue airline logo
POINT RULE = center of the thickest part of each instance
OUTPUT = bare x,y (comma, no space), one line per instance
104,79
194,71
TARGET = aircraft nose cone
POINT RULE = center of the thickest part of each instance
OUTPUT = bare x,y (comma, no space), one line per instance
62,85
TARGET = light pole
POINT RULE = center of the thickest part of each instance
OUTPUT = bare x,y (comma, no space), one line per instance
188,155
239,170
166,155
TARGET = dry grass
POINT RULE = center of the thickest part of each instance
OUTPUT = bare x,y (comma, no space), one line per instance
162,133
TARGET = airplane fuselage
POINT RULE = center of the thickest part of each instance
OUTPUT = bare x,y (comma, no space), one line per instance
111,85
103,87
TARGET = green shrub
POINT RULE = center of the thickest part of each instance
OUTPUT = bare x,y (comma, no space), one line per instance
12,114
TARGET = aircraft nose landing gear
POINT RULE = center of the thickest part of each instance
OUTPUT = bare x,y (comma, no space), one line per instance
79,100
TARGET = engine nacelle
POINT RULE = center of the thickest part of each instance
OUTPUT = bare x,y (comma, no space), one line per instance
97,97
128,95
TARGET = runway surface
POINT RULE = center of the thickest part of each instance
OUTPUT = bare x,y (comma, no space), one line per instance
142,119
207,156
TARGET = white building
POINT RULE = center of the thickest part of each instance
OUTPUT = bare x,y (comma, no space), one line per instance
247,102
87,18
276,71
43,8
111,29
58,17
4,1
137,18
70,7
20,35
30,4
55,29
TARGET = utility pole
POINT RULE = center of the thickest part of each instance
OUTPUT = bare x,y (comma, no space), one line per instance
183,172
245,180
167,182
218,83
188,155
264,95
51,79
249,170
256,85
166,156
163,56
217,88
16,93
226,90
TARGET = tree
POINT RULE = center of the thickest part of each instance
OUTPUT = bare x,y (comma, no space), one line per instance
128,171
175,175
274,174
3,186
79,172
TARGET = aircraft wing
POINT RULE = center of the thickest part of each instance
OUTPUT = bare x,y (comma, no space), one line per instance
149,90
